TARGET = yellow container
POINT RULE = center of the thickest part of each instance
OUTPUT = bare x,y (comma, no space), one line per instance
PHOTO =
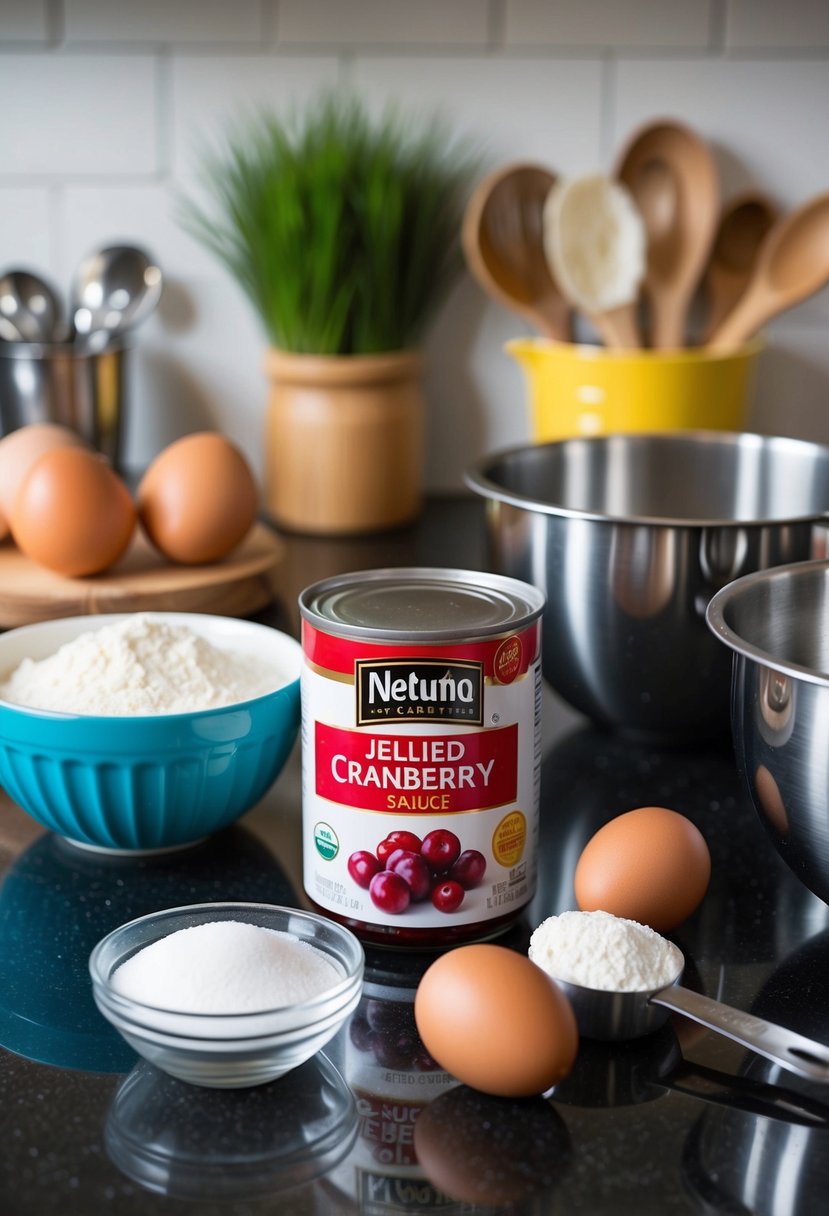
588,390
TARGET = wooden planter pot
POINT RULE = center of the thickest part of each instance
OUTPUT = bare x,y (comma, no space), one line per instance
344,441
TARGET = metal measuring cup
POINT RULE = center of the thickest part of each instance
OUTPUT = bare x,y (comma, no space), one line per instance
611,1015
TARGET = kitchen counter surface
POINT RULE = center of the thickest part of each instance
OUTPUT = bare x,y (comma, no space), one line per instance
681,1122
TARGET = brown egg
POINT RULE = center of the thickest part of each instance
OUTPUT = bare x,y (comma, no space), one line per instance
651,865
72,513
18,452
198,499
496,1021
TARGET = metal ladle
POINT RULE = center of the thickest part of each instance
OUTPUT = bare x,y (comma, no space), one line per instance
30,310
612,1015
116,289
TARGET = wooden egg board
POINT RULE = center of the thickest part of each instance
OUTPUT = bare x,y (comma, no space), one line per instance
142,581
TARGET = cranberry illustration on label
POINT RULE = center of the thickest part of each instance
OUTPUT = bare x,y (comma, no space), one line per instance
469,869
405,869
385,849
405,840
447,896
441,849
413,868
389,892
362,866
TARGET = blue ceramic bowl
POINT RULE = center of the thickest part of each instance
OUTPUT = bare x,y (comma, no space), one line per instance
147,782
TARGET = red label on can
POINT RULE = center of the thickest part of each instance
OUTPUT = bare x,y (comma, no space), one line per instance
417,773
330,652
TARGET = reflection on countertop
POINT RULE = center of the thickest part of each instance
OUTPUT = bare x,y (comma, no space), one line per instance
736,1160
57,901
230,1144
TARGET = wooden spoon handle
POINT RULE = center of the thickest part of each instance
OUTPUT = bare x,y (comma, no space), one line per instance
618,328
668,324
744,320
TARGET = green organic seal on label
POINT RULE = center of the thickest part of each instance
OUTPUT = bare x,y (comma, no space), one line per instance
325,840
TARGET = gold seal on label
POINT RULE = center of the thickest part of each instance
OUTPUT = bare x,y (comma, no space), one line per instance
509,838
507,662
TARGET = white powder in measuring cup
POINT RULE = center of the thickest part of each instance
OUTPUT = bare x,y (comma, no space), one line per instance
598,950
140,665
226,967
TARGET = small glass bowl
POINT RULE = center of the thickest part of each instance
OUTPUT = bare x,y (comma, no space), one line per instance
229,1050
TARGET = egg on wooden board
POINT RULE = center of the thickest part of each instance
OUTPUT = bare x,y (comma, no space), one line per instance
198,499
496,1021
18,452
72,513
650,864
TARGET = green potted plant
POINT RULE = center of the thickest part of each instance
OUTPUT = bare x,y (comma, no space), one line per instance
343,231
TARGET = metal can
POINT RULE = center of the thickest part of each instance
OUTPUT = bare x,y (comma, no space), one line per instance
421,751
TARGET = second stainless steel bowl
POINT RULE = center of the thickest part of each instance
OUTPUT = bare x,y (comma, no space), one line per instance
776,623
630,536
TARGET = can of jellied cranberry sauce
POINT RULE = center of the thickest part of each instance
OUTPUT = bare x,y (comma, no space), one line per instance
421,743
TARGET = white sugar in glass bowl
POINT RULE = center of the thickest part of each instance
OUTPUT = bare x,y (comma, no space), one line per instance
229,1050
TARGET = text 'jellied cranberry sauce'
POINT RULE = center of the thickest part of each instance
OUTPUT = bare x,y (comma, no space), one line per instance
421,695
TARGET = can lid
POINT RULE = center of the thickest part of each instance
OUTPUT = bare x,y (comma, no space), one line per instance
420,604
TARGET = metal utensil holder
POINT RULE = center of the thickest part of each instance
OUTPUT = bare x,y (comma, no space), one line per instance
59,382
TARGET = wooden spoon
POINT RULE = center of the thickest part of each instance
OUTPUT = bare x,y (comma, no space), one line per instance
594,240
793,263
502,242
671,174
743,227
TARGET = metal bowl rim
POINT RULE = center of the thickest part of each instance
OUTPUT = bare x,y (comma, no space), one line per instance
477,479
720,601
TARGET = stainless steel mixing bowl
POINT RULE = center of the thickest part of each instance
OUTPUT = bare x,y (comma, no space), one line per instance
629,536
777,624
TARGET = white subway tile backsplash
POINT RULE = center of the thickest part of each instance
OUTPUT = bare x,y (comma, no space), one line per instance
164,21
76,115
608,23
792,387
776,142
476,395
23,21
90,217
383,22
774,26
210,94
24,228
198,366
550,112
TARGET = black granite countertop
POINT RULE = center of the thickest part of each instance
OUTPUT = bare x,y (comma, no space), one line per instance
681,1122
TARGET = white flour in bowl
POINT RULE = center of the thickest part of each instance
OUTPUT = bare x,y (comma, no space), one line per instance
606,952
141,665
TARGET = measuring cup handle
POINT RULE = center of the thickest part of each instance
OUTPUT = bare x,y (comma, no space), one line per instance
792,1051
